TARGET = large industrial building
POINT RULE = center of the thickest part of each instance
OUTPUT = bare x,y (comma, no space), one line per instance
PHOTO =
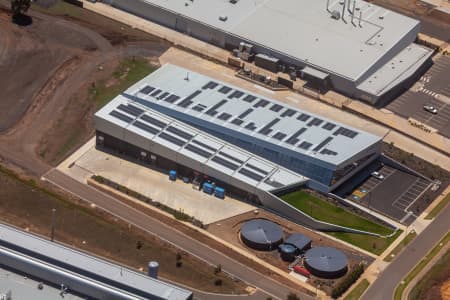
357,48
34,268
176,118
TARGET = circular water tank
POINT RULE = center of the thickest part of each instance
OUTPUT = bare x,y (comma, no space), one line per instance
326,262
287,252
153,267
261,234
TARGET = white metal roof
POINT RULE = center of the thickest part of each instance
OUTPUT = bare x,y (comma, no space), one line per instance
305,30
209,100
91,264
195,144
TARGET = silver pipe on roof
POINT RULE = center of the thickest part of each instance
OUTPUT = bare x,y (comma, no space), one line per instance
343,10
353,11
348,6
360,17
328,5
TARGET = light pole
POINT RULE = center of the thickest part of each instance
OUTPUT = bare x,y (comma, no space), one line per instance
52,236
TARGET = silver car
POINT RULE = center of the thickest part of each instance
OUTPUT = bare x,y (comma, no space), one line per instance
430,109
377,175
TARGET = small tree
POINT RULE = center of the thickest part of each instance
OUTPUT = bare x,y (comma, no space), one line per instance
139,245
217,269
293,296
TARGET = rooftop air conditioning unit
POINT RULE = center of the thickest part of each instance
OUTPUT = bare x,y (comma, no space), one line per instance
223,18
335,14
234,1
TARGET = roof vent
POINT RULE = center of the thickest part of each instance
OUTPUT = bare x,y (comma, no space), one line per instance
223,18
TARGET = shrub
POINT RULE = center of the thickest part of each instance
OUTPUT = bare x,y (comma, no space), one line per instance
218,282
293,296
348,280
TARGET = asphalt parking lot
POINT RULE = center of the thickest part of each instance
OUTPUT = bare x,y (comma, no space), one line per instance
393,196
436,86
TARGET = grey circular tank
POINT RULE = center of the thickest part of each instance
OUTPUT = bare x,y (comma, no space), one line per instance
261,234
287,252
153,267
326,262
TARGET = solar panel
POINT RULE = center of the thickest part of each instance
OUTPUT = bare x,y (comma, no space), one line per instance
237,122
172,139
147,90
328,152
236,94
245,113
130,109
305,145
204,145
180,132
303,117
273,183
288,113
315,122
267,129
231,157
155,93
276,108
261,103
198,151
345,132
153,121
121,116
172,98
323,143
279,136
250,174
224,89
329,126
199,107
225,163
213,110
251,126
188,100
145,127
224,116
256,169
163,95
294,138
249,98
210,85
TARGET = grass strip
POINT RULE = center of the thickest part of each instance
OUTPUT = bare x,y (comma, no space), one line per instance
357,292
400,246
419,267
437,209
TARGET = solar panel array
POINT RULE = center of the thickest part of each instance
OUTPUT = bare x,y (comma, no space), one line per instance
206,101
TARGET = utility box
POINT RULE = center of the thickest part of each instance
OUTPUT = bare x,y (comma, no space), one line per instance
267,62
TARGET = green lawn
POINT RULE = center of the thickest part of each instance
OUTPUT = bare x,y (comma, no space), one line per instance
327,212
401,287
435,211
373,244
129,72
357,292
400,246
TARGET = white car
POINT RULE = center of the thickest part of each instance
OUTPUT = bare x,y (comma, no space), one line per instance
377,175
430,109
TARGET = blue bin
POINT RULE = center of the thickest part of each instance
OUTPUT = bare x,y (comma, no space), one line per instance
219,192
208,188
173,175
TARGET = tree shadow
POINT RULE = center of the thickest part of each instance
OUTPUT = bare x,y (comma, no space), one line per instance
22,20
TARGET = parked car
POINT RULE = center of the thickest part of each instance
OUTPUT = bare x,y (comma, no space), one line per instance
377,175
355,197
430,109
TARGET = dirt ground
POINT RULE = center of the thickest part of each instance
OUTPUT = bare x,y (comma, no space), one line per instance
229,230
49,66
433,23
